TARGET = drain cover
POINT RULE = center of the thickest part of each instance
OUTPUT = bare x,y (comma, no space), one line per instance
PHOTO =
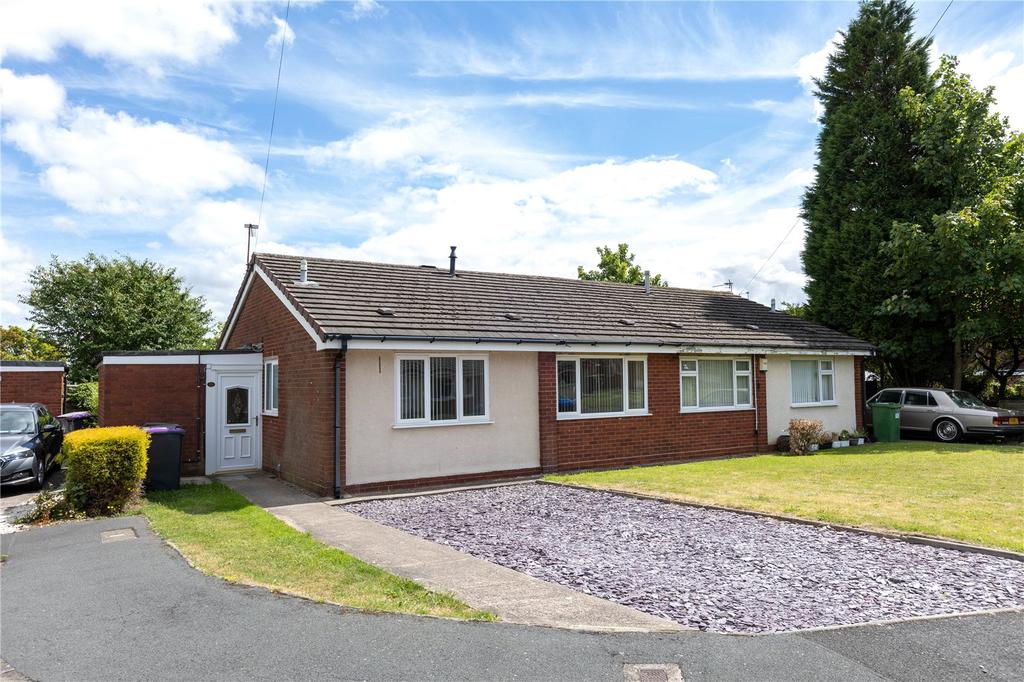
118,534
652,672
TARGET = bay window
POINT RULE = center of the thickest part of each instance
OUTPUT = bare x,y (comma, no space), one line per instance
441,389
594,386
812,382
714,383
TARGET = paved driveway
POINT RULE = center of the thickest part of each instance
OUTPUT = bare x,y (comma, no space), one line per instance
76,608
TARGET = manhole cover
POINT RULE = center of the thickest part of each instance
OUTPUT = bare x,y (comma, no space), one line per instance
118,534
652,672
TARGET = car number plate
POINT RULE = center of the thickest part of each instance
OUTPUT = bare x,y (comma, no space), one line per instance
1014,421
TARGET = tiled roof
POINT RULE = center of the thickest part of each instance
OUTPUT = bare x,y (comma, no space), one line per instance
361,300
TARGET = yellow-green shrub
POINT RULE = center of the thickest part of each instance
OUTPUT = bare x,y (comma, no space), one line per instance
105,467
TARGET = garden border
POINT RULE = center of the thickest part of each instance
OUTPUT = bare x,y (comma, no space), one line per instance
892,535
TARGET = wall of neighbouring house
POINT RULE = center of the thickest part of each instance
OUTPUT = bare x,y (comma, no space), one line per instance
175,393
20,386
377,452
665,435
298,443
848,390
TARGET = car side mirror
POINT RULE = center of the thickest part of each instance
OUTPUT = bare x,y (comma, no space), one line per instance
50,428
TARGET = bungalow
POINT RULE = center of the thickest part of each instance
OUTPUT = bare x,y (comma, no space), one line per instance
350,377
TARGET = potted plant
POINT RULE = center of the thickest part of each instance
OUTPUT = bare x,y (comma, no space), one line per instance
825,442
840,440
857,437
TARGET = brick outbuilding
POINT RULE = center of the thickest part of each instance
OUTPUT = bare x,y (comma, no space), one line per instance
24,381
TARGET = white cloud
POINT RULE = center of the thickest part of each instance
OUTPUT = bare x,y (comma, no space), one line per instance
1003,69
123,30
38,98
282,32
812,65
113,163
16,261
365,9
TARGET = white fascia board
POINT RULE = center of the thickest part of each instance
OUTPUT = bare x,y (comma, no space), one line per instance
218,359
579,348
6,368
229,327
320,345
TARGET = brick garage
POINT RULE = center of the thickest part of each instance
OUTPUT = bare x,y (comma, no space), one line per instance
24,381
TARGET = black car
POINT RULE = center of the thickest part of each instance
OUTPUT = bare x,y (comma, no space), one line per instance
30,440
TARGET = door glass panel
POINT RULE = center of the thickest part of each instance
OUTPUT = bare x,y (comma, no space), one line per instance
916,398
238,405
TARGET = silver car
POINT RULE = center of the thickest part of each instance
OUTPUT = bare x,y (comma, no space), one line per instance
949,414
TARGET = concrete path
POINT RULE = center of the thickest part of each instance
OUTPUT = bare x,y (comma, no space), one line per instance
512,596
75,607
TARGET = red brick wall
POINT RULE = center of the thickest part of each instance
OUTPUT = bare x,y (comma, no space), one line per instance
299,442
664,436
858,390
135,394
33,387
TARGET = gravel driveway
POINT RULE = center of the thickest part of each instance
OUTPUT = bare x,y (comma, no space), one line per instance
714,570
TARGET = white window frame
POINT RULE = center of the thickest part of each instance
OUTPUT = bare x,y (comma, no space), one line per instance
735,387
831,371
626,412
485,418
271,410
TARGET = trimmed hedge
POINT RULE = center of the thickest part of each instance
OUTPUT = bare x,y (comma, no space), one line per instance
105,468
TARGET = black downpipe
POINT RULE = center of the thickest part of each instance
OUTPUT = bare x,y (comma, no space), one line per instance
337,416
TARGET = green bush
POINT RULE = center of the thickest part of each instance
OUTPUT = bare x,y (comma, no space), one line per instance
84,396
105,468
49,506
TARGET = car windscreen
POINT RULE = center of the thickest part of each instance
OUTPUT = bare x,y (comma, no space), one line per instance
965,399
17,421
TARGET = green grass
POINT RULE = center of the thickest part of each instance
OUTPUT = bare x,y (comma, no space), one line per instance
972,493
223,534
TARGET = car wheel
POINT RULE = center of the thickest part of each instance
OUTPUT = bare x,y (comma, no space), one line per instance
41,473
947,430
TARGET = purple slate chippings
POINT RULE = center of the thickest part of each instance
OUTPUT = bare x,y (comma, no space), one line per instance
704,568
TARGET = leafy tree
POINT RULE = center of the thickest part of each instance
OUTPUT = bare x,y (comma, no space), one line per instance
795,309
25,344
965,266
99,303
617,266
866,178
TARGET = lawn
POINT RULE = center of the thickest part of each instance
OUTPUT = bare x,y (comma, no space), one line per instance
972,493
223,534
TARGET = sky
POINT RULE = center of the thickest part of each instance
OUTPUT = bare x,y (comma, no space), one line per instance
525,134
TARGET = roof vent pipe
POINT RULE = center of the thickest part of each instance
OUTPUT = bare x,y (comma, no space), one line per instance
451,263
773,304
303,271
647,282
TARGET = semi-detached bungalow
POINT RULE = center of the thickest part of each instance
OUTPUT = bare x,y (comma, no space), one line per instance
348,377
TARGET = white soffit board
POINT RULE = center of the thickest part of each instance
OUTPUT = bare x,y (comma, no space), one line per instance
579,348
218,359
7,368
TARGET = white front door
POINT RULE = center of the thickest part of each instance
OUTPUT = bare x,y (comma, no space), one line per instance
232,424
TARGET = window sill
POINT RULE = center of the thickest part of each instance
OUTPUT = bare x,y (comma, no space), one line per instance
828,404
269,413
732,408
616,415
430,425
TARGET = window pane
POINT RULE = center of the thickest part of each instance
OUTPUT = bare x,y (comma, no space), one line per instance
742,390
688,365
566,385
804,376
636,385
411,379
743,365
715,383
826,387
442,389
889,396
826,365
689,389
237,405
602,385
473,394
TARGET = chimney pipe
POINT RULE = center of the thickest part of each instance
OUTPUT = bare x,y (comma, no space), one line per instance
647,282
303,271
773,304
451,263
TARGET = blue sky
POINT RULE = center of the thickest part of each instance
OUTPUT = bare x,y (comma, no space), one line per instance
527,134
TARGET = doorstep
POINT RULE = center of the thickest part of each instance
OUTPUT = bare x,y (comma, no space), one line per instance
512,596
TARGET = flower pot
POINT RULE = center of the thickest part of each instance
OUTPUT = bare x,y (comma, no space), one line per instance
857,441
823,446
840,443
813,447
